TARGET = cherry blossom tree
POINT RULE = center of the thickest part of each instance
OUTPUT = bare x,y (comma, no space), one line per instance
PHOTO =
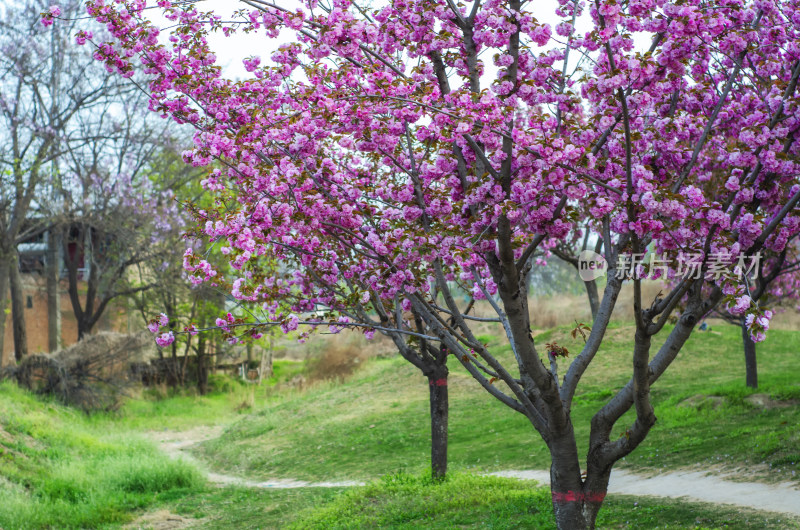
386,155
392,318
774,283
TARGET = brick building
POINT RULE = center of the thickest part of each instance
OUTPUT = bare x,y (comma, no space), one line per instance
32,266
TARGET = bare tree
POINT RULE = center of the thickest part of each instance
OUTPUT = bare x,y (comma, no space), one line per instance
45,83
115,210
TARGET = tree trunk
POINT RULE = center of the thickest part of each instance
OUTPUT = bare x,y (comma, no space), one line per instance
83,328
176,376
595,488
439,417
3,302
594,297
185,362
213,354
265,368
566,486
17,310
269,370
750,364
71,262
568,511
53,298
202,371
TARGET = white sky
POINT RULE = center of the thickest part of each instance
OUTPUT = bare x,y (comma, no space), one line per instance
232,50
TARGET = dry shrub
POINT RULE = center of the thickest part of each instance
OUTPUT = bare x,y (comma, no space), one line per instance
144,372
287,347
564,309
298,382
341,355
91,375
248,402
157,391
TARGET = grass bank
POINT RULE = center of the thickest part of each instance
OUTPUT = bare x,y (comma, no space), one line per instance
62,469
58,470
376,422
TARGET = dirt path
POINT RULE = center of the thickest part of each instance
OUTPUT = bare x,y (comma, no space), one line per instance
691,486
176,443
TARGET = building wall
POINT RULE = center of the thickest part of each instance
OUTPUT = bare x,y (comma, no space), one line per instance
36,318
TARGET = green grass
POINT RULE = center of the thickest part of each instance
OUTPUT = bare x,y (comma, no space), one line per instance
463,501
179,410
377,422
58,471
468,501
235,507
285,370
62,469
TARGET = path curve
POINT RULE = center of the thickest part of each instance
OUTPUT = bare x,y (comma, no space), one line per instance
696,486
176,443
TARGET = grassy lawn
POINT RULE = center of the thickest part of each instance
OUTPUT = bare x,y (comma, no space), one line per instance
463,501
376,423
234,507
62,469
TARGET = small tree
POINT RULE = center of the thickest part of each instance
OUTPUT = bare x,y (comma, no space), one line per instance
774,281
110,223
185,306
349,303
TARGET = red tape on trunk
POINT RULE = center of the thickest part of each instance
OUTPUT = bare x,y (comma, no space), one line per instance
577,496
438,382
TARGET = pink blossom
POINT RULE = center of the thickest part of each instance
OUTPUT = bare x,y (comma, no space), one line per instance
291,323
165,339
732,184
82,36
742,304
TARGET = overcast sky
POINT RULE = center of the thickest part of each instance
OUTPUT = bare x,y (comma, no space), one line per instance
232,50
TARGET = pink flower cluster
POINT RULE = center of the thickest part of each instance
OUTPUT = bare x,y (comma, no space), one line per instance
48,16
164,339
